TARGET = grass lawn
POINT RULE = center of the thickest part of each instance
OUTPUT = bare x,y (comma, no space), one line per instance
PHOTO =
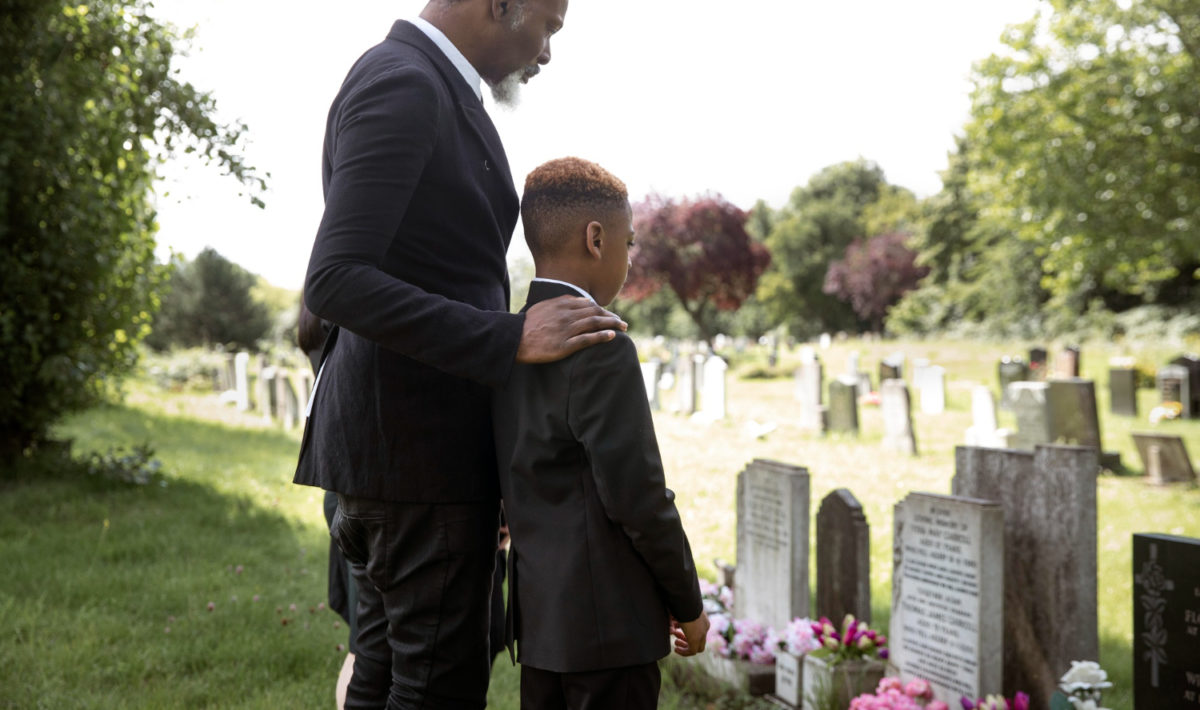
106,587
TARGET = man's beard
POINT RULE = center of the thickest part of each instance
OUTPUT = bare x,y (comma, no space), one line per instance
507,91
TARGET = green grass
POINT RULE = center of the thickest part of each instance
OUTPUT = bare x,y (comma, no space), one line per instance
97,571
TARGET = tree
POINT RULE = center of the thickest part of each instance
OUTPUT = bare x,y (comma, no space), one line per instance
210,302
1085,143
91,106
820,220
873,275
698,248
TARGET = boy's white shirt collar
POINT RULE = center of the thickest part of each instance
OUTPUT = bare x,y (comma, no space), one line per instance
583,293
456,57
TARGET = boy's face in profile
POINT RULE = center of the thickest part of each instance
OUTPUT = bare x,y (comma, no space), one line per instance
613,266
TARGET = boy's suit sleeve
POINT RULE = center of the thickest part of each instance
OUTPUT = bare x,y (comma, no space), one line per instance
609,414
385,132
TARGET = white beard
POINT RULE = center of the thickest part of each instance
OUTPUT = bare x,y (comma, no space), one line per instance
507,91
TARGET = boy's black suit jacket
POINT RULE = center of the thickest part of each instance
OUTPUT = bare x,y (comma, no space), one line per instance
409,263
599,556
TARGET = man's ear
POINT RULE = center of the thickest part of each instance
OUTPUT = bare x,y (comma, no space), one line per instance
594,236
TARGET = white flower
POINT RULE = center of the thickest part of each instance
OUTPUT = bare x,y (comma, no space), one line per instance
1084,674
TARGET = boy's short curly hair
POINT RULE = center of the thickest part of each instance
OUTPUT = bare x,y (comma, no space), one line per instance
562,190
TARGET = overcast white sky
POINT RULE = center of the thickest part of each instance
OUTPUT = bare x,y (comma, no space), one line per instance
746,98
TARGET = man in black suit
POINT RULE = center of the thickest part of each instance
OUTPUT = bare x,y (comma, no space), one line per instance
599,563
409,265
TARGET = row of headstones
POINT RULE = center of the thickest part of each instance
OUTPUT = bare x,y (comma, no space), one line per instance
280,395
699,382
994,588
1178,381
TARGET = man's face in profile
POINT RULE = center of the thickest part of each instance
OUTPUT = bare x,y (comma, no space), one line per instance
530,25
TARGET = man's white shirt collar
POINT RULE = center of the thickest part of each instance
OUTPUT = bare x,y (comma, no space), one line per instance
583,293
456,57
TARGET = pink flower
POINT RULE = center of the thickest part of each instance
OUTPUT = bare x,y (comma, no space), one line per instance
937,705
918,688
1020,702
889,683
211,606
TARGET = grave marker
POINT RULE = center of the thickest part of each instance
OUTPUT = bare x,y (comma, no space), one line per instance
1165,458
843,558
1174,384
948,595
1049,501
1010,370
897,418
1166,622
983,431
843,405
241,363
1122,390
651,371
933,390
772,543
712,400
1191,363
808,392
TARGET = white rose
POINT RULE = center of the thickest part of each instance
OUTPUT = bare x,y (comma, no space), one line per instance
1084,674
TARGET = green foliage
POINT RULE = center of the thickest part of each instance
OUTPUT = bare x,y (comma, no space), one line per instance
91,107
1085,143
210,302
813,230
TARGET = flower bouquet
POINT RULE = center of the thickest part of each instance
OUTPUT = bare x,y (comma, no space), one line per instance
848,662
1020,701
891,694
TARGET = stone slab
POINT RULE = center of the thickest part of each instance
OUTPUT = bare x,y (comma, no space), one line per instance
1164,458
1166,622
771,585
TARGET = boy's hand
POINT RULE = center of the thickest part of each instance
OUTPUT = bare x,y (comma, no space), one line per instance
690,636
556,328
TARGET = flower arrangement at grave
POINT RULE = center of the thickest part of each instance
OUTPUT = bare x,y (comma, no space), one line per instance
853,642
892,694
748,640
1020,701
1081,687
1166,411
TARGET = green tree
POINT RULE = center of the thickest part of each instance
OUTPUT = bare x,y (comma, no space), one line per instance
210,302
1085,143
91,106
840,203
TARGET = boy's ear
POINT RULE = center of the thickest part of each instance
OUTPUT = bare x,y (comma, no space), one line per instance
500,8
594,236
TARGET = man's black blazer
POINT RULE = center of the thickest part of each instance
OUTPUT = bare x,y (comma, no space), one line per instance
599,555
409,263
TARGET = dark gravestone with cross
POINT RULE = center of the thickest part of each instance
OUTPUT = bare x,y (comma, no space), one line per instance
1166,622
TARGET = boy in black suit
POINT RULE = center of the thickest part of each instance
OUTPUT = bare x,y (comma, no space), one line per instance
601,568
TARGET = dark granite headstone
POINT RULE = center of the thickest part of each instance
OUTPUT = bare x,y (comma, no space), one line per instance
1122,390
1165,458
1010,370
843,405
1049,501
1191,363
843,558
1037,362
1166,622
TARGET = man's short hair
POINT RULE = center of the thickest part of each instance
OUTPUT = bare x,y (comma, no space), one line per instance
561,192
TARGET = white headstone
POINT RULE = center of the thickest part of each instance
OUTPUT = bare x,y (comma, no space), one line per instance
771,585
933,389
712,400
650,375
826,341
947,622
897,417
983,431
808,392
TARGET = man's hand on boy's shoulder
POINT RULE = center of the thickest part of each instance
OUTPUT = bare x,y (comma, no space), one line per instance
690,636
560,326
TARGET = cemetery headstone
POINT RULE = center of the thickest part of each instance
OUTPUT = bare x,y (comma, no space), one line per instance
948,589
933,390
651,372
1191,363
266,392
287,401
852,364
1032,411
1037,362
826,341
1049,501
1066,364
863,386
698,371
843,558
1010,370
1073,416
808,392
1122,390
1165,458
241,366
685,385
713,398
772,543
891,368
843,405
1166,622
984,431
897,418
